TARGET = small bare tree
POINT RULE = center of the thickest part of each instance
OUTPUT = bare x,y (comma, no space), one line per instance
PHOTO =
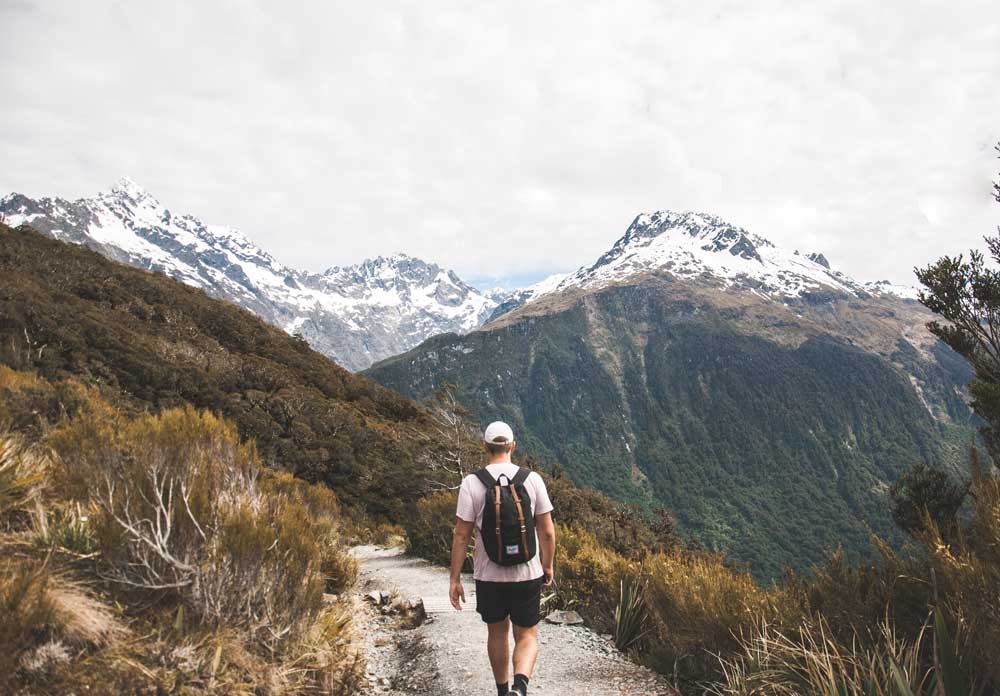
449,464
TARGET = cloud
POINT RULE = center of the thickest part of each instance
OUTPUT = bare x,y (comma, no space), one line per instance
512,139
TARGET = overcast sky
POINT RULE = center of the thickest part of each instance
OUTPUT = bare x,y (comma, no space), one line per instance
508,140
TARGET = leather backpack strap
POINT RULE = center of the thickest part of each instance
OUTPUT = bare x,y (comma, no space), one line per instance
500,549
486,478
520,512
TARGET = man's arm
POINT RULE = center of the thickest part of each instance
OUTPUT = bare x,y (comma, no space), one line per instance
459,548
546,545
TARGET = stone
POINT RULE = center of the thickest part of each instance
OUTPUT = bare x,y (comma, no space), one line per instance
415,609
377,598
565,618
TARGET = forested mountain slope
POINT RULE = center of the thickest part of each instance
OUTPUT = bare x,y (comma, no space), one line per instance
155,343
771,421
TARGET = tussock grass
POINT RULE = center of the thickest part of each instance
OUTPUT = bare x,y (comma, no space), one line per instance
82,617
810,660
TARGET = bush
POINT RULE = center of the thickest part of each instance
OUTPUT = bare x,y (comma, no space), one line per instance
589,577
429,529
338,568
181,512
924,495
631,616
966,578
699,607
29,404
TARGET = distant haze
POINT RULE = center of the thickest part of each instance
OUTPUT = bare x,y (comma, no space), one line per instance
511,140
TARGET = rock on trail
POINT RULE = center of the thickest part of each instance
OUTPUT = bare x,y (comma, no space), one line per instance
447,653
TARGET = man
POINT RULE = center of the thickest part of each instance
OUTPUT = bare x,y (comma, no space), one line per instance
506,594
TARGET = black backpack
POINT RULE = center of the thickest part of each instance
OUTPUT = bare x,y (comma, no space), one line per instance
508,523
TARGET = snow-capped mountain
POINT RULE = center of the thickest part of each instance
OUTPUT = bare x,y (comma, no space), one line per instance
508,301
695,245
354,314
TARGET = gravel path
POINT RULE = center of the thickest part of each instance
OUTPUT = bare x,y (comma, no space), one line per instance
448,652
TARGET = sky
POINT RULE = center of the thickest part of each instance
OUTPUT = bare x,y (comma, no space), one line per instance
512,140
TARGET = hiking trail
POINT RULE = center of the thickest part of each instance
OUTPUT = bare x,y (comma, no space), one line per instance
447,653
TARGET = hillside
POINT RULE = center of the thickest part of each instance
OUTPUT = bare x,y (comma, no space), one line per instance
770,418
353,314
154,343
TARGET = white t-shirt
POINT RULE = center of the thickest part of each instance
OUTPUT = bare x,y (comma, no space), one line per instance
472,502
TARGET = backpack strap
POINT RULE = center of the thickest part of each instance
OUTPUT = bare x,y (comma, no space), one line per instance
487,480
518,479
521,476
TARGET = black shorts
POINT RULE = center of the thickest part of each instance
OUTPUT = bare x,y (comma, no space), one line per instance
521,601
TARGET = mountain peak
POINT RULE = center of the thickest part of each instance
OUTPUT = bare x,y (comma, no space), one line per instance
691,244
128,188
820,259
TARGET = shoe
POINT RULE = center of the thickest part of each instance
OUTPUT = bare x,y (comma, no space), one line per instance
514,691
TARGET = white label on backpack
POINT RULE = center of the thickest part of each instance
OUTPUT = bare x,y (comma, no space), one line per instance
513,550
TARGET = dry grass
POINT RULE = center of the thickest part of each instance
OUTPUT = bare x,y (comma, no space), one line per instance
23,473
26,613
811,661
699,606
82,617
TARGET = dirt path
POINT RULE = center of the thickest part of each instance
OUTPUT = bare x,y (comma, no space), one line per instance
447,654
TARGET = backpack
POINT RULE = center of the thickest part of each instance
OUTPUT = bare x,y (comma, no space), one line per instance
508,531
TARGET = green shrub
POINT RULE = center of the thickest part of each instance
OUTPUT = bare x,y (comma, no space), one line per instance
429,528
924,494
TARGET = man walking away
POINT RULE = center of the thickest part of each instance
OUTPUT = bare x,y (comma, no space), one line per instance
510,511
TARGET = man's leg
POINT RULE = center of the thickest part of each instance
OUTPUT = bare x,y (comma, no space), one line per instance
525,649
498,647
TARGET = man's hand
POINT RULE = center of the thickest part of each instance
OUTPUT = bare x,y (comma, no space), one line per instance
547,546
550,576
457,593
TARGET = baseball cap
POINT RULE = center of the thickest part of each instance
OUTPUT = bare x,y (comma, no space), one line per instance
498,433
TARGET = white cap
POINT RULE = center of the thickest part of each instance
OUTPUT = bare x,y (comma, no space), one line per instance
498,433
